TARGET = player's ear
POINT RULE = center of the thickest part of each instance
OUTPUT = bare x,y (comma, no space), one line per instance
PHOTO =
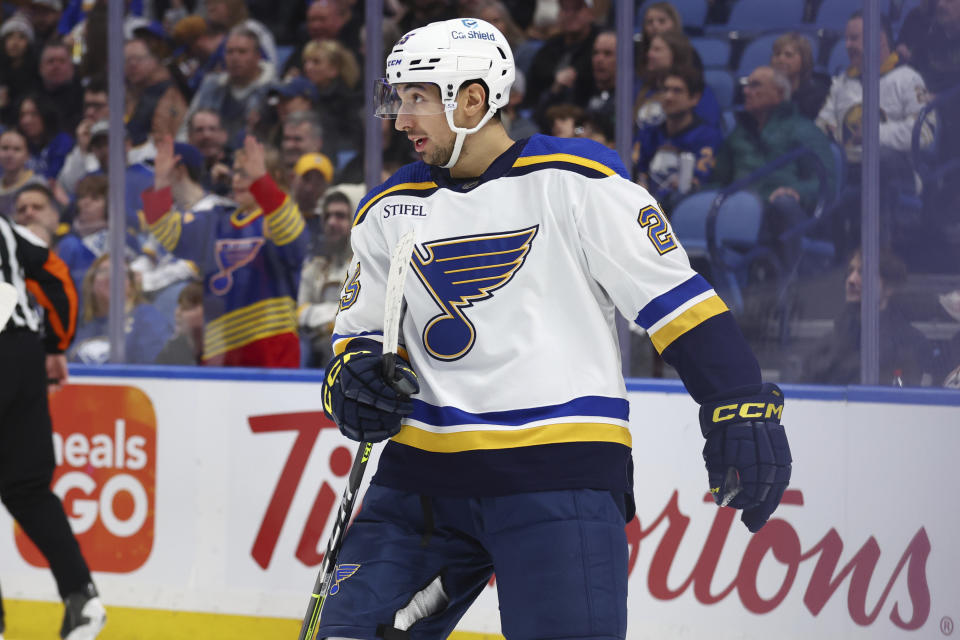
474,99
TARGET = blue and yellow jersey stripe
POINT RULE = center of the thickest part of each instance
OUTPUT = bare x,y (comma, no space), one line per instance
671,314
238,328
566,161
451,430
579,155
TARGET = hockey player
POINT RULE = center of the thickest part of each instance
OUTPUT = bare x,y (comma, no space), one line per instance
514,456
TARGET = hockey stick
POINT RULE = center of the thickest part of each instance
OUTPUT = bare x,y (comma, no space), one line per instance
8,300
392,312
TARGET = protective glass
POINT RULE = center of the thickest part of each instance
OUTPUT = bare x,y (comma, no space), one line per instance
415,99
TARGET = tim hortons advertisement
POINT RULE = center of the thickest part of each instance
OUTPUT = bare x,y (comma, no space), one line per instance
218,496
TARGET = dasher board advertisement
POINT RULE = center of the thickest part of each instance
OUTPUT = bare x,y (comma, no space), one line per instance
213,492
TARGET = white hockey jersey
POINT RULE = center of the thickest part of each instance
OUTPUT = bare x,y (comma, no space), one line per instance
510,320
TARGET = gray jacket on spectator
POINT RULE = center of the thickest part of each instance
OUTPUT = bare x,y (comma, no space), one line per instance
233,104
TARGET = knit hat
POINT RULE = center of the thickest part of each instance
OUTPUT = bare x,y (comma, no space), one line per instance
17,22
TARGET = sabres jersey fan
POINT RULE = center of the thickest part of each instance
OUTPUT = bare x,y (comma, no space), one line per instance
248,256
514,453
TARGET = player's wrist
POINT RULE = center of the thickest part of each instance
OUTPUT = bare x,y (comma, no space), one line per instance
747,404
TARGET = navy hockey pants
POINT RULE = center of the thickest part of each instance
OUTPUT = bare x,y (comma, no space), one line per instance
560,559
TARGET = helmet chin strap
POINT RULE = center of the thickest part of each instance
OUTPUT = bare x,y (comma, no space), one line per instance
462,134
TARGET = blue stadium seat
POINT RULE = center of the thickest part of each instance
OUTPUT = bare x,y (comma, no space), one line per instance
723,85
763,15
692,12
737,231
760,51
833,14
689,222
839,60
714,52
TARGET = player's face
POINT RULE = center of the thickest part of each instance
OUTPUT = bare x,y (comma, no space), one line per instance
430,134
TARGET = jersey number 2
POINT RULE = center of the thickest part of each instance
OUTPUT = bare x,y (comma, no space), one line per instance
652,220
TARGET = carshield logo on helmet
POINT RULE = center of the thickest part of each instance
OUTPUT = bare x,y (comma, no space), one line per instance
470,23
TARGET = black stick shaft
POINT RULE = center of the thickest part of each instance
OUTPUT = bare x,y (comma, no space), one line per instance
311,620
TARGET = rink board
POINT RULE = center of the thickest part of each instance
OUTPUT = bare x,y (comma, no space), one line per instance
203,499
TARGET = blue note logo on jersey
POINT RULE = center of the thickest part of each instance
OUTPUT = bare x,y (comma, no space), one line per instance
231,254
341,573
458,273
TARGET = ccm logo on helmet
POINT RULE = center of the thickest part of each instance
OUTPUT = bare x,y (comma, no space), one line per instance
473,35
748,410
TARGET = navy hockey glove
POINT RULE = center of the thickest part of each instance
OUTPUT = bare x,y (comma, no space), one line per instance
365,405
747,453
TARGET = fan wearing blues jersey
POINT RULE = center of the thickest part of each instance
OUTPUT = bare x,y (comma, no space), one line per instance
514,453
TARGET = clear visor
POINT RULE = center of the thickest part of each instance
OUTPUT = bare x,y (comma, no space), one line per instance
413,98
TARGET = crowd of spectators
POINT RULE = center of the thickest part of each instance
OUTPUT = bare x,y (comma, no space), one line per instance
244,124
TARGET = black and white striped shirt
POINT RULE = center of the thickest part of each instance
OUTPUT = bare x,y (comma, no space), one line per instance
29,265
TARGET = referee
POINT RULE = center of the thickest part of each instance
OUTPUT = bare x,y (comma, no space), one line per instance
30,357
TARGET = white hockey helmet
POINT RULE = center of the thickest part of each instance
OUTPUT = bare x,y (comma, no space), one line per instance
449,54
